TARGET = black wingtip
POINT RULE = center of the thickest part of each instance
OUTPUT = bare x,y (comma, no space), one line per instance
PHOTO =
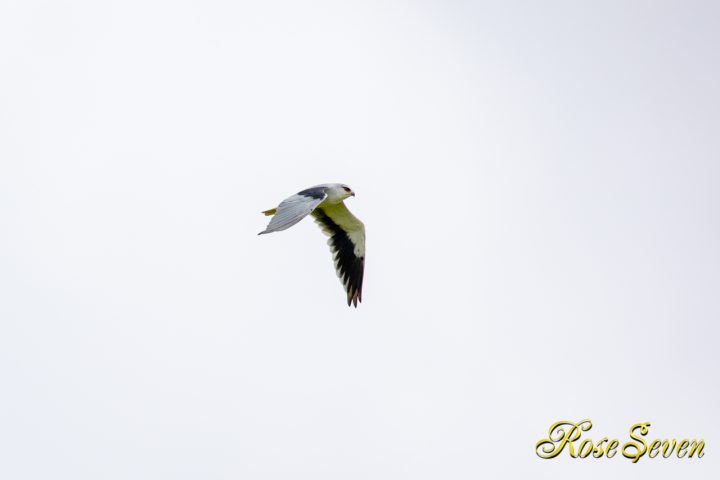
353,300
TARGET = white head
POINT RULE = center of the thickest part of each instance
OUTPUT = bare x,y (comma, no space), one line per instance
337,192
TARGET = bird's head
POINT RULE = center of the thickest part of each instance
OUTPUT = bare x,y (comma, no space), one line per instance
339,192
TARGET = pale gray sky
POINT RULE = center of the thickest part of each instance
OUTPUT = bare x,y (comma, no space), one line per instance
540,187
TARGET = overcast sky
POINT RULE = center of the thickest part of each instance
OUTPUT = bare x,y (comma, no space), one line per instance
539,181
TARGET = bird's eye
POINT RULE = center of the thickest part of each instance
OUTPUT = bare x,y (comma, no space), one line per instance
346,189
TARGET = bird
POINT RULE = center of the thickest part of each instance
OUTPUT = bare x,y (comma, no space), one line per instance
325,202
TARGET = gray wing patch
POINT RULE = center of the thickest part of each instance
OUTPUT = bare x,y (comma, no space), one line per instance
314,192
295,208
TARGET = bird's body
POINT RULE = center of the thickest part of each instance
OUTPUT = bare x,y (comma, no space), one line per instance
347,234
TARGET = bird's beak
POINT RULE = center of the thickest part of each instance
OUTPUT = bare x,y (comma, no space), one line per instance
352,194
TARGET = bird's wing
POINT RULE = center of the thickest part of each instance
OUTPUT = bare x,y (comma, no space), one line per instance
347,244
293,209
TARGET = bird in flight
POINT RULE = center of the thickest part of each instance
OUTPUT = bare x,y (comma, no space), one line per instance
346,232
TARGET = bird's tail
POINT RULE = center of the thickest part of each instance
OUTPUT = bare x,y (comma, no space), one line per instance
267,213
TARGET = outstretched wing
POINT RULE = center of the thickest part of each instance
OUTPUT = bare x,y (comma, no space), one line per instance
347,244
293,209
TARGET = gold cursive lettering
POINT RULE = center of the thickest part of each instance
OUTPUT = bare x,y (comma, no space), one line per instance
566,435
638,449
562,433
